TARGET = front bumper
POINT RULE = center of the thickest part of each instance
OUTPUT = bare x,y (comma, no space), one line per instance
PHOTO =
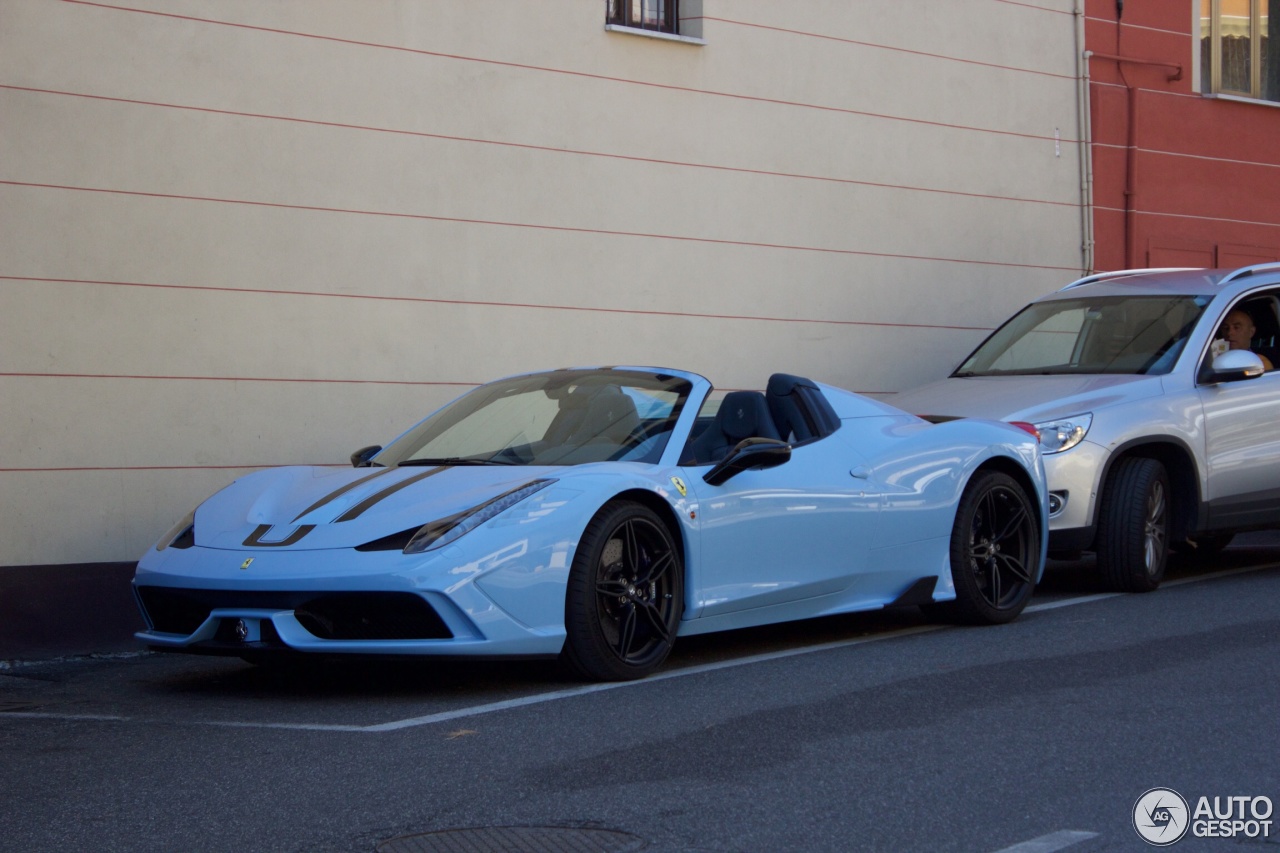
334,602
1074,477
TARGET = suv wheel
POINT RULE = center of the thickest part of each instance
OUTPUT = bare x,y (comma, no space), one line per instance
1133,526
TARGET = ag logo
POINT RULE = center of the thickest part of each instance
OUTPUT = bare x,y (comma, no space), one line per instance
1160,816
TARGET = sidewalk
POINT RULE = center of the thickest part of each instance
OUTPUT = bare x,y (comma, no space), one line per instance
58,611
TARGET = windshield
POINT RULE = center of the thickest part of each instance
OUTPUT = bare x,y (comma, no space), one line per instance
567,417
1100,334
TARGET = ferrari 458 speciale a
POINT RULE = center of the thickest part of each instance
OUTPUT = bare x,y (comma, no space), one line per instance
597,515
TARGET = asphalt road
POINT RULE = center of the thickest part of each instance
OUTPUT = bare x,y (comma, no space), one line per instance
872,732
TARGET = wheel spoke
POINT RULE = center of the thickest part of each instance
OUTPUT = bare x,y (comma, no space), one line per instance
1011,526
656,621
630,548
657,568
1015,567
993,582
987,514
1155,504
626,631
611,587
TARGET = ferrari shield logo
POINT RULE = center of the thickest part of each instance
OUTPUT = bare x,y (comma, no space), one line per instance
680,487
245,564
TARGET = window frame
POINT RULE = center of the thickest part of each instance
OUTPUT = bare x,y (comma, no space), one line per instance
622,13
619,18
1257,90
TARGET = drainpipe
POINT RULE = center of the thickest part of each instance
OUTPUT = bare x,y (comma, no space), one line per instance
1084,133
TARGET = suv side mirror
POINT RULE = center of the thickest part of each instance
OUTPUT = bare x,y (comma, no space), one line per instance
360,459
1232,366
747,454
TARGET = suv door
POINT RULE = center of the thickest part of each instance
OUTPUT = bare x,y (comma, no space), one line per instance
1242,430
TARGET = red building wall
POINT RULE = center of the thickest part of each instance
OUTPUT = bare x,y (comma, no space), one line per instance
1179,179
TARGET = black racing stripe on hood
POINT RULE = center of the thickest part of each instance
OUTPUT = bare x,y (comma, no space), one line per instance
360,508
254,539
337,493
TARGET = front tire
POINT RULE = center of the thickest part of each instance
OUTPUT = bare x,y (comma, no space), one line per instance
625,595
1133,526
995,550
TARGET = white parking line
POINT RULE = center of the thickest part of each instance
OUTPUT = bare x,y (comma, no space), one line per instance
39,715
586,689
1051,842
539,698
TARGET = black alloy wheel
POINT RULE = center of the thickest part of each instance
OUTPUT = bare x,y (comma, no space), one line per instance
625,595
995,549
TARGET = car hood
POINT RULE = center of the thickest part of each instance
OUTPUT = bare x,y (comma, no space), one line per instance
306,508
1024,398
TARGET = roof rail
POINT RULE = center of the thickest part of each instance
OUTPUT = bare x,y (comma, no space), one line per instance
1271,266
1105,276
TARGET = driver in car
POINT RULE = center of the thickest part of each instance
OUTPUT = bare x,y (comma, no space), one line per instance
1239,330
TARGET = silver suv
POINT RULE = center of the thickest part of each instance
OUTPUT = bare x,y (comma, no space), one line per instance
1156,406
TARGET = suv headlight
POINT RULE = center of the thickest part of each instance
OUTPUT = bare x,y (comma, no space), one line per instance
1063,433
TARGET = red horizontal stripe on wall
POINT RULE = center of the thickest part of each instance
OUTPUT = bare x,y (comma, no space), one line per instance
561,71
487,304
165,468
579,152
888,47
425,217
301,381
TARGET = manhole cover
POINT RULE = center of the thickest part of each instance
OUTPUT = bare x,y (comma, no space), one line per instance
515,839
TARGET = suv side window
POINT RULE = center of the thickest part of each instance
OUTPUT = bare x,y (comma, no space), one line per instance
1254,322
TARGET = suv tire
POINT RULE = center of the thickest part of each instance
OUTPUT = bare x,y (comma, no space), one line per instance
1133,526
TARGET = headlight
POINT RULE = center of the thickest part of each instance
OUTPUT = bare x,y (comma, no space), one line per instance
437,534
1064,433
181,535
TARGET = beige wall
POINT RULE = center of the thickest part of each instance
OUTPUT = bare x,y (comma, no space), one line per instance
256,232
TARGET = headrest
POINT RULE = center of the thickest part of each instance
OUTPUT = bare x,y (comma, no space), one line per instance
782,384
744,414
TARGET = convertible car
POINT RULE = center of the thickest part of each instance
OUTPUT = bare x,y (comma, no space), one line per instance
599,514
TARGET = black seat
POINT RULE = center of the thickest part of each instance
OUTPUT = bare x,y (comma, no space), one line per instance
590,415
791,418
610,417
742,414
799,410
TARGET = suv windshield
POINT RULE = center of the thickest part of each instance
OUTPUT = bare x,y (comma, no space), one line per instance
1099,334
567,417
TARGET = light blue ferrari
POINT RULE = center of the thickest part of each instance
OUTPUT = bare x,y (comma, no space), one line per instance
599,514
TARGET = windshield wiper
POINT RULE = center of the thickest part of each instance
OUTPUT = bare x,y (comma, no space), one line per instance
454,461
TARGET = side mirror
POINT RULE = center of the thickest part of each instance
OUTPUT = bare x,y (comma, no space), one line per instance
748,454
1232,366
360,459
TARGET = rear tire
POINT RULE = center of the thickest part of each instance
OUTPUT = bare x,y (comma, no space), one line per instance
625,595
1133,526
995,551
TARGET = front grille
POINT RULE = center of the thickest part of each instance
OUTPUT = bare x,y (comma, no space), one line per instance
372,616
327,615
